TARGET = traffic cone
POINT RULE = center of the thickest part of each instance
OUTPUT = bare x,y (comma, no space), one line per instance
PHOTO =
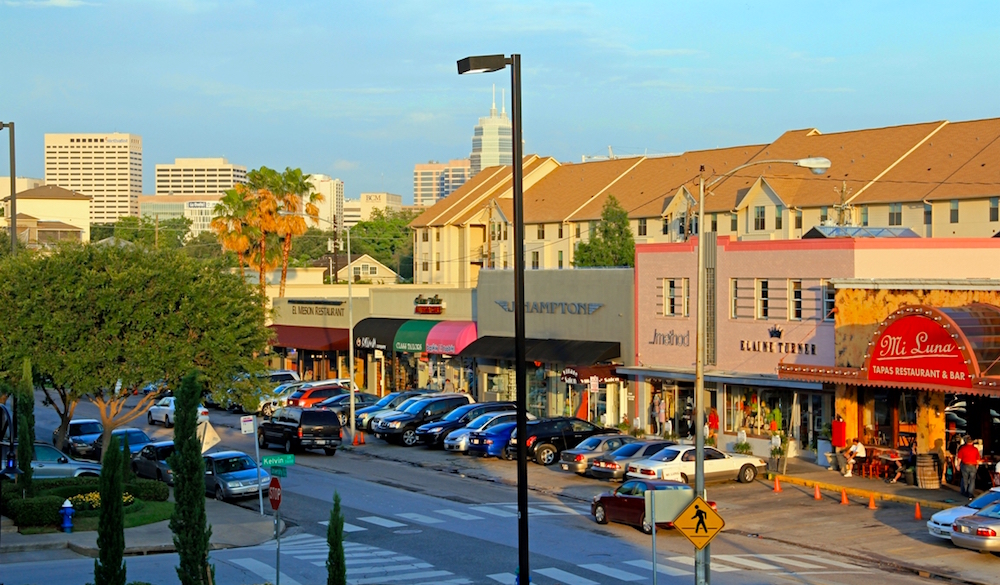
917,515
777,485
816,494
843,498
359,438
871,503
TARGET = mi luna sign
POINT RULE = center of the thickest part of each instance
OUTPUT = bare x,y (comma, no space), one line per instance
554,307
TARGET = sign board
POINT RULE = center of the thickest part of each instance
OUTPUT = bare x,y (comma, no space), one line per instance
207,435
279,471
699,523
246,425
669,502
272,460
919,350
274,493
594,384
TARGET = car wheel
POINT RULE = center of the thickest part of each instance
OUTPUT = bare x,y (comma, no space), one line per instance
167,422
684,478
220,494
409,437
343,419
646,526
331,451
261,441
748,473
600,515
545,455
149,419
288,445
267,410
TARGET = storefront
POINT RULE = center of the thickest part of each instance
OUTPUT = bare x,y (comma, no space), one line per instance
444,344
311,336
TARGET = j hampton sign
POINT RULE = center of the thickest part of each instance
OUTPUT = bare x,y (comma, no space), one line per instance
918,349
554,307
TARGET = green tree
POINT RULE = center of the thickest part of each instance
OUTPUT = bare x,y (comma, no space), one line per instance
109,568
336,565
26,425
188,522
295,196
386,237
101,231
147,231
127,474
206,246
611,243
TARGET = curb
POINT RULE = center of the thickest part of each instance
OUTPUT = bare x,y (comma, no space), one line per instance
790,479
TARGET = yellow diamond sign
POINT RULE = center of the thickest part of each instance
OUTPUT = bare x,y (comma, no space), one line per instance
699,523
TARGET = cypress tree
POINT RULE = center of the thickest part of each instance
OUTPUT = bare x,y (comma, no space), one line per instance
127,474
188,522
109,568
25,413
336,565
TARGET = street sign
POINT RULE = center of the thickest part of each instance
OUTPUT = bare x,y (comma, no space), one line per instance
278,471
272,460
246,425
274,493
207,435
699,523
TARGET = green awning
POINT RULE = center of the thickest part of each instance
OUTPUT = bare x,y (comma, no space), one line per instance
412,336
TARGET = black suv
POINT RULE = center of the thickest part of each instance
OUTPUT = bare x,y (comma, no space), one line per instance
549,437
301,428
402,426
432,434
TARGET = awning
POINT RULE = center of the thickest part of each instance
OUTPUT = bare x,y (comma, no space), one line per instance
583,374
376,333
450,337
545,350
314,338
412,336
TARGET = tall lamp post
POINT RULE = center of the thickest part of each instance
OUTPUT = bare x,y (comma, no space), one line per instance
485,64
818,165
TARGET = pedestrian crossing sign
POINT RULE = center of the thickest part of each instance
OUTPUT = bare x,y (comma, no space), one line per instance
699,523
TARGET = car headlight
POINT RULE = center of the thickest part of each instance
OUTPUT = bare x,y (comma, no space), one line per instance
233,484
434,430
394,424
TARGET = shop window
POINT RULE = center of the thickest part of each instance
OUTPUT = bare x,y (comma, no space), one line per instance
928,214
798,219
994,208
560,259
535,263
829,293
734,225
761,299
954,211
758,411
895,214
642,226
778,217
676,297
864,215
541,231
794,300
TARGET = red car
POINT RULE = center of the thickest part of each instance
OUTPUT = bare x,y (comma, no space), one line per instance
310,396
627,504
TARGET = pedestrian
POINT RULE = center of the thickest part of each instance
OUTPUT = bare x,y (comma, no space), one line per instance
661,414
713,423
968,458
854,454
654,409
448,386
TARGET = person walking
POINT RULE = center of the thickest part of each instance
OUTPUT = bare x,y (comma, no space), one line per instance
968,458
661,415
654,409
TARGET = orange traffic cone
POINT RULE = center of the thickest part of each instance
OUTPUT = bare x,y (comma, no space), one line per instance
843,498
359,438
777,485
816,494
917,515
871,503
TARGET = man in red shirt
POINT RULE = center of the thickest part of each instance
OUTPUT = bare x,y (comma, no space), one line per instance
968,457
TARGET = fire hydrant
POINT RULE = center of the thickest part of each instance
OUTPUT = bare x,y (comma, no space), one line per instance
67,512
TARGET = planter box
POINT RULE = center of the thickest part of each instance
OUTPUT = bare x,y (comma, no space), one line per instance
761,447
823,448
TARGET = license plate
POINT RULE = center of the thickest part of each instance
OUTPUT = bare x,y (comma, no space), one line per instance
964,529
565,467
474,441
321,442
378,436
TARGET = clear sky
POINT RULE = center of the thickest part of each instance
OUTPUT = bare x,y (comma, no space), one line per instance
364,90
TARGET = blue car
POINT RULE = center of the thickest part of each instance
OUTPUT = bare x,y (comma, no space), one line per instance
492,442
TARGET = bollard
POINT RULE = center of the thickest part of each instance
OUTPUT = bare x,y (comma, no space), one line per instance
67,511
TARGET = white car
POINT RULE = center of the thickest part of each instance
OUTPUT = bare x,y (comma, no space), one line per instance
163,412
940,524
458,440
677,463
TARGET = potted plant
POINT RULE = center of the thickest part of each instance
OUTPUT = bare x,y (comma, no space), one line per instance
779,453
743,448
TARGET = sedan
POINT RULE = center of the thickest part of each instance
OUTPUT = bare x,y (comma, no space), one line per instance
233,474
278,397
677,463
151,462
627,504
492,442
980,531
136,441
613,465
80,435
50,462
579,458
341,404
940,524
163,412
458,440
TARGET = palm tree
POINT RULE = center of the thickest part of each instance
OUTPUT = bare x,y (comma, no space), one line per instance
295,197
230,224
263,220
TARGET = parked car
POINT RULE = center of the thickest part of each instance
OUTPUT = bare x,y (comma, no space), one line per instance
278,397
137,439
458,440
940,523
980,531
402,426
578,458
163,412
151,462
307,396
157,387
282,376
433,434
301,428
491,442
273,379
627,503
363,418
677,463
50,462
233,474
547,438
613,465
80,436
338,381
341,404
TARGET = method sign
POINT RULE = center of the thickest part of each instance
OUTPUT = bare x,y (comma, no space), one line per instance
699,523
278,471
246,425
272,460
274,493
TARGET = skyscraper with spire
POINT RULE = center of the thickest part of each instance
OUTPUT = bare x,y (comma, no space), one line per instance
491,141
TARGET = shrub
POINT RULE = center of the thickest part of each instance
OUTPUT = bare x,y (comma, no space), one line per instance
92,500
148,489
38,511
743,448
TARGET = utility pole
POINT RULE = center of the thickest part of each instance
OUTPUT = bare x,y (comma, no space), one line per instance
843,208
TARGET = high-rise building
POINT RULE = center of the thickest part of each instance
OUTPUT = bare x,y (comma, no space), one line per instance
200,209
198,176
107,167
492,144
356,210
434,180
332,207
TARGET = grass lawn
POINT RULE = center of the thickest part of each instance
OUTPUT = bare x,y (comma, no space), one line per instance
150,513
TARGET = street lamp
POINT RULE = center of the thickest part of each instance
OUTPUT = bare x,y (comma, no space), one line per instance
484,64
13,190
818,166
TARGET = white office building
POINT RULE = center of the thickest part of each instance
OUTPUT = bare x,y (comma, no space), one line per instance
107,167
331,208
198,176
492,142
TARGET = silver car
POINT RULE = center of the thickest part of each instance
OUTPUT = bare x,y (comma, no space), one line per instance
151,462
980,532
458,440
233,474
579,458
50,462
612,466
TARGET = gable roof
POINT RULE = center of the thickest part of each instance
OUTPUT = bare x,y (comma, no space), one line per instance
50,192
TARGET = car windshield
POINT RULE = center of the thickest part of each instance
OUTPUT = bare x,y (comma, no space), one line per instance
665,455
387,400
480,421
333,400
297,394
628,450
991,511
456,414
91,428
407,403
134,436
589,444
231,464
990,497
416,406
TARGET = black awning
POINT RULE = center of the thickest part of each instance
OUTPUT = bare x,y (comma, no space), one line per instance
376,333
580,353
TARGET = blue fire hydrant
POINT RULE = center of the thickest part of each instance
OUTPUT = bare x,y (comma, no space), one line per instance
67,512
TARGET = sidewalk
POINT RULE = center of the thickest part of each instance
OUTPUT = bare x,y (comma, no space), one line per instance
232,526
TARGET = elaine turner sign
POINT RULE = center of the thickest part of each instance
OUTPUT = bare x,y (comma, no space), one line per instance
774,344
918,349
554,307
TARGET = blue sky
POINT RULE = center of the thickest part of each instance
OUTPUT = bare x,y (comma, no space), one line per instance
364,90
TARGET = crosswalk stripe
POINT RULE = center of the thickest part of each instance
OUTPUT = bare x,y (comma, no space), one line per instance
377,560
660,568
497,512
504,578
374,570
347,527
614,573
565,577
559,509
312,557
741,560
420,518
459,515
835,563
535,511
787,561
383,522
263,570
689,561
368,554
404,577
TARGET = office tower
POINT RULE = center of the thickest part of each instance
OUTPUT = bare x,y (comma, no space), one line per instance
331,208
491,141
434,180
107,167
198,176
200,209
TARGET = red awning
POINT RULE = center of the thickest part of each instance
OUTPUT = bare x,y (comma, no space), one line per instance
582,374
314,338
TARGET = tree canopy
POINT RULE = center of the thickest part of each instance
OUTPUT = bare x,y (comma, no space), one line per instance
611,242
148,231
386,237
